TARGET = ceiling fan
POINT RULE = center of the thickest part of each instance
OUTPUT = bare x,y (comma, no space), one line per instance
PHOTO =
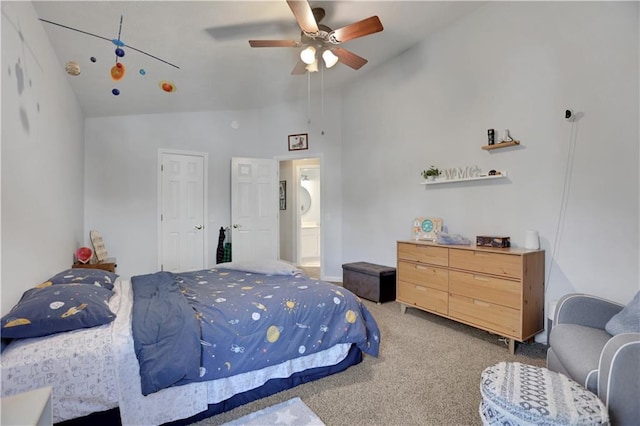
321,39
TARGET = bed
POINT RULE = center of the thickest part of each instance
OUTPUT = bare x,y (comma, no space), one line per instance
246,314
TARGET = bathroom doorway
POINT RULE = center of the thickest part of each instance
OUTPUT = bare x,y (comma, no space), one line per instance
309,212
300,220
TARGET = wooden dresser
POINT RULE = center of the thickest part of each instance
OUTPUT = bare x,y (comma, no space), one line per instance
500,290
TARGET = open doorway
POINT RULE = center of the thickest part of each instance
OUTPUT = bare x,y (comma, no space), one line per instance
300,220
309,212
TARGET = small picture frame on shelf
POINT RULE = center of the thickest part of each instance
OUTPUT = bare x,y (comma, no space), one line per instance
283,195
298,142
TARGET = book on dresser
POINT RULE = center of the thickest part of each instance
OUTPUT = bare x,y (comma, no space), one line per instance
500,290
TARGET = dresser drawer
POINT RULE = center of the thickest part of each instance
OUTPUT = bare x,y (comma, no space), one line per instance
485,287
505,265
424,297
424,254
425,275
489,316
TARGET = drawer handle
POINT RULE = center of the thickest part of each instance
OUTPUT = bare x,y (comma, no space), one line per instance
424,268
480,303
480,277
418,287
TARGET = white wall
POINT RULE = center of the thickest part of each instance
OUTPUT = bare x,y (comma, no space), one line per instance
515,65
121,181
42,158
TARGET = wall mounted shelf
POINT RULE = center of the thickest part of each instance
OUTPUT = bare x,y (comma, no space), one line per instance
503,174
500,145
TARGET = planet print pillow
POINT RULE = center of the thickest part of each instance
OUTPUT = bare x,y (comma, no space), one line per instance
52,309
97,277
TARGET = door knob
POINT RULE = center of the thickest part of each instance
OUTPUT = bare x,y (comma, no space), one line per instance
235,225
198,227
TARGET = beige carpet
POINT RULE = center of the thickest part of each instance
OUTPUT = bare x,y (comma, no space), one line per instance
428,373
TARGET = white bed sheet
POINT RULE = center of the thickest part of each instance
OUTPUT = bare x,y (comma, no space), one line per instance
96,369
78,364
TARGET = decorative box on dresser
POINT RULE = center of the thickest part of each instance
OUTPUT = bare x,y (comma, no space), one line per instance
500,290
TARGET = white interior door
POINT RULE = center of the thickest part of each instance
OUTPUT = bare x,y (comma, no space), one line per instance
182,211
254,209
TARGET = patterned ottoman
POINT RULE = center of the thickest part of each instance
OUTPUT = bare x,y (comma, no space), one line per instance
520,394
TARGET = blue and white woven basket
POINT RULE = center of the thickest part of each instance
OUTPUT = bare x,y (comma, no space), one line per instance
520,394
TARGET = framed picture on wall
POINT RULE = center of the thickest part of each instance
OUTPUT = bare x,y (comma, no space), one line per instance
298,142
283,195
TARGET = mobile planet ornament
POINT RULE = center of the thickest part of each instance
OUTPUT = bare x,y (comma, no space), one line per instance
167,86
118,70
72,68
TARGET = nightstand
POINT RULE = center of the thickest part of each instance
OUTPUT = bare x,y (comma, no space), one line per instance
108,265
31,408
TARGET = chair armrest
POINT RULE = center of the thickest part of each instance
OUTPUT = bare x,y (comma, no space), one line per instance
584,309
619,378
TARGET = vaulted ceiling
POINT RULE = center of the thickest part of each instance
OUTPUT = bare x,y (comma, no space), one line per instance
208,41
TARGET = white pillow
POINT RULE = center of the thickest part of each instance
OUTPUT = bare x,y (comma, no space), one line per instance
267,267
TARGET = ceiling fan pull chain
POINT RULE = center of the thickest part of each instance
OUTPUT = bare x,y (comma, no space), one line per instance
308,97
322,93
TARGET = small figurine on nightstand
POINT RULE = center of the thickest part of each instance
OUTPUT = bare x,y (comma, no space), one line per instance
507,137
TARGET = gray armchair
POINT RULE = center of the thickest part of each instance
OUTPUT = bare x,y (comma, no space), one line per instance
609,366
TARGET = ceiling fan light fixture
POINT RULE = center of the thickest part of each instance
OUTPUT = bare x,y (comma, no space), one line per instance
329,58
312,67
308,55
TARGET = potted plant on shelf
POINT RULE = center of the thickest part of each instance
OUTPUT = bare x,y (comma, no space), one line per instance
431,173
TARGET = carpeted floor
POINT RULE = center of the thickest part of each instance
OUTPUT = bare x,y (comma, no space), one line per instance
428,373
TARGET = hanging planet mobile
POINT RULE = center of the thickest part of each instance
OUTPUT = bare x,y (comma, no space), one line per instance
118,70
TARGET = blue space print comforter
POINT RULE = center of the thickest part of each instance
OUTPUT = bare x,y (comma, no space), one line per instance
216,323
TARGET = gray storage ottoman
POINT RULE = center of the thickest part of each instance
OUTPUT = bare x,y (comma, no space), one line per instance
370,281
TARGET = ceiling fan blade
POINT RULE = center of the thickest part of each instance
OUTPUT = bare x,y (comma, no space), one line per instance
274,43
349,58
358,29
300,68
304,15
